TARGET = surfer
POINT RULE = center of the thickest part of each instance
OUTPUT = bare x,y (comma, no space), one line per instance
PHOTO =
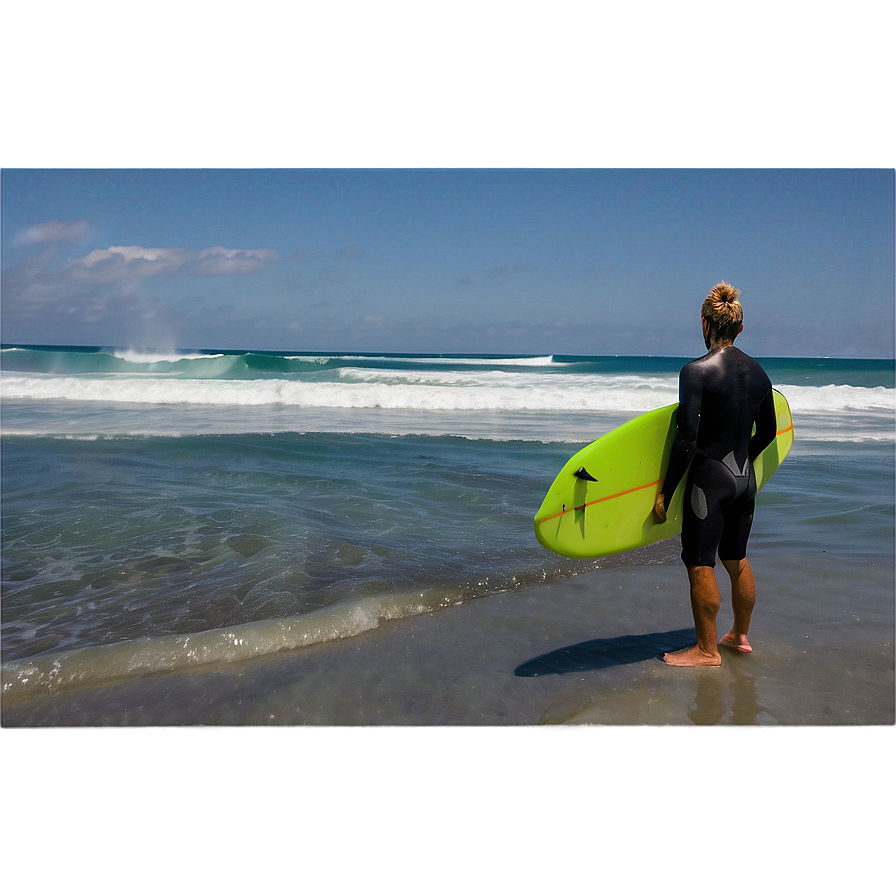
721,396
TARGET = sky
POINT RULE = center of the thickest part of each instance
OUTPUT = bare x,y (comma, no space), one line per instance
346,177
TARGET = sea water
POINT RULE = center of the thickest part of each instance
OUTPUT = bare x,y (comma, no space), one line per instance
174,510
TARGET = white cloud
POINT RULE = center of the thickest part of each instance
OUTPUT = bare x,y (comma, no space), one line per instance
232,261
128,263
53,231
134,253
136,262
107,289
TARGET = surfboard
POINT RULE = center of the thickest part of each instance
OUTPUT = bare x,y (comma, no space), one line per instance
602,500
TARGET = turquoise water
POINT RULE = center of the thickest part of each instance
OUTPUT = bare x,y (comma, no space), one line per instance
169,510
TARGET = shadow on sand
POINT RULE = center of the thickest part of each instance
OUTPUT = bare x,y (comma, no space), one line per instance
605,652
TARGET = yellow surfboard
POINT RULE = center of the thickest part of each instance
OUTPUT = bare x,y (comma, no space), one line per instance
602,500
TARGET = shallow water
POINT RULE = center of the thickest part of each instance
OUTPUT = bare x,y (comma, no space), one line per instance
578,651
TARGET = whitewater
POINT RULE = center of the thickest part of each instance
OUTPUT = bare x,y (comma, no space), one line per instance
150,387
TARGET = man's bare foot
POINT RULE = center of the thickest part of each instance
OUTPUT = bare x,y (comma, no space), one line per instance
692,656
736,642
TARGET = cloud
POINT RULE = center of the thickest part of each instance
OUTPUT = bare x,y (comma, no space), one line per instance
136,262
128,263
29,284
104,290
53,231
219,261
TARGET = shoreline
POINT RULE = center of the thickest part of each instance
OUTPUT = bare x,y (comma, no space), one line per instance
580,651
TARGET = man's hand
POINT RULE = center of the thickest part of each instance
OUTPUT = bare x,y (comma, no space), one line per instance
659,509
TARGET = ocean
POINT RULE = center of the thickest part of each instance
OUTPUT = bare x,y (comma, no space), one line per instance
175,521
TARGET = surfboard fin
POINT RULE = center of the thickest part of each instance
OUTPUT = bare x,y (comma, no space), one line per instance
582,473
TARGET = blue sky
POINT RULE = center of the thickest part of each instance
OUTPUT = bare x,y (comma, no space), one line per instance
496,217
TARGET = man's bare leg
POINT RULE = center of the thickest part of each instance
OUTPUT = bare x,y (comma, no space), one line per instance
706,601
743,599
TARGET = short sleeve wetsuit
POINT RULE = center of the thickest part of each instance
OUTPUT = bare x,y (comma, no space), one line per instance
721,396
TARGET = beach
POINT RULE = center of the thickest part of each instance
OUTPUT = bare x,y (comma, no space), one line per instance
355,572
551,654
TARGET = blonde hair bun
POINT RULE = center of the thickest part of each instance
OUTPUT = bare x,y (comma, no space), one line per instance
723,293
723,310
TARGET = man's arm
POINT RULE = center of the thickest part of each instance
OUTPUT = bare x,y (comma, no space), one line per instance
766,427
684,446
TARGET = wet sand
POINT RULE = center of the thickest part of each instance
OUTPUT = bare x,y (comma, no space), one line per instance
583,651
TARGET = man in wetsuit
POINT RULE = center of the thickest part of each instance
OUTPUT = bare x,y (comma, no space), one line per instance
721,396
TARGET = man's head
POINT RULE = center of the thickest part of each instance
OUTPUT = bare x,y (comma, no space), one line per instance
723,315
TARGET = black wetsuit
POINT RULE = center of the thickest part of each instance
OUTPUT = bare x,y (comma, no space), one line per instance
721,396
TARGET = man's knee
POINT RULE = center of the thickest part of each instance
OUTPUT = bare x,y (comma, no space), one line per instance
735,568
704,585
698,572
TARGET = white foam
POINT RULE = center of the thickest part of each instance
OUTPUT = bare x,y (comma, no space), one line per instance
543,361
94,665
540,361
838,399
138,356
424,391
394,392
